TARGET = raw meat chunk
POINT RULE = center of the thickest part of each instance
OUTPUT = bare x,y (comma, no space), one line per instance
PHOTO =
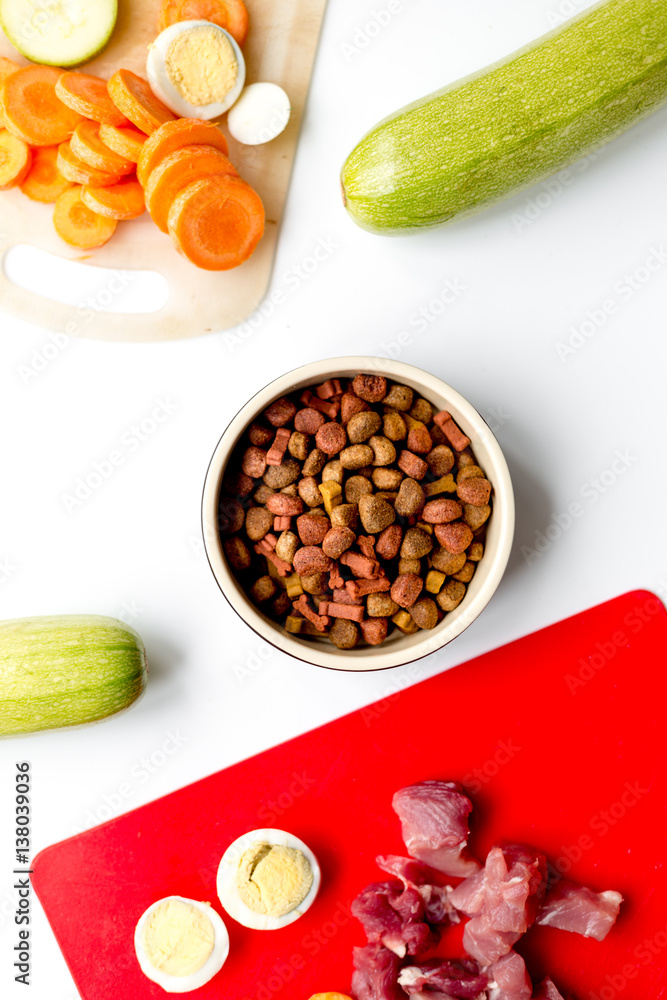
547,991
393,917
434,819
415,875
435,979
375,975
572,907
509,979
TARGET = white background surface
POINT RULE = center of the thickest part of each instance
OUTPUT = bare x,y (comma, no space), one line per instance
132,549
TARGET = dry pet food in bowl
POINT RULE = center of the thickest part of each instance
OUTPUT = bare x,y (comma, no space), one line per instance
361,517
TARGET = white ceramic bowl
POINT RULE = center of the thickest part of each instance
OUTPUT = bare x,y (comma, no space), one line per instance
398,648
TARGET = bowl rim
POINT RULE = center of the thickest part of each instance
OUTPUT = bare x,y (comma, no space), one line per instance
402,650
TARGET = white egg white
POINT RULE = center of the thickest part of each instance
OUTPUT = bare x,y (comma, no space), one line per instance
260,114
162,87
228,892
215,961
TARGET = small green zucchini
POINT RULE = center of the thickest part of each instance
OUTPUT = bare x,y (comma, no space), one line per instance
67,670
483,138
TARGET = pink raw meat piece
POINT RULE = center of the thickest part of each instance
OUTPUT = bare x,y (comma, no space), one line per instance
436,979
434,820
513,886
394,918
468,896
416,875
509,979
547,991
375,975
575,908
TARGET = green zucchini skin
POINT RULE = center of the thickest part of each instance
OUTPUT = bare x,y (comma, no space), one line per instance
483,138
67,670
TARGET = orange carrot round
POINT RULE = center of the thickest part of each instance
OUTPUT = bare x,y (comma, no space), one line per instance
175,172
217,222
7,66
172,136
89,96
77,225
124,200
232,15
134,98
44,182
15,160
127,141
31,108
88,146
78,172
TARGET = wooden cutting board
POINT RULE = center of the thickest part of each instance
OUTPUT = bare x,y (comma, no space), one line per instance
559,739
281,49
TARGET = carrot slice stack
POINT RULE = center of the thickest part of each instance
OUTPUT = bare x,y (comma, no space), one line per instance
176,172
134,98
232,15
78,172
217,222
89,96
31,108
77,225
87,144
15,160
44,181
127,141
124,200
174,135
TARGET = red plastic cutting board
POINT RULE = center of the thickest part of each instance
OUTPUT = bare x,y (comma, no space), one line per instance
560,738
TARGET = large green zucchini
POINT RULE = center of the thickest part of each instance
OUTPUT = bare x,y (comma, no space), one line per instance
482,138
67,670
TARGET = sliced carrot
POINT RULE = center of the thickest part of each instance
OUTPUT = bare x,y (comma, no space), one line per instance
89,96
7,66
88,146
31,108
77,225
175,172
127,141
44,181
172,136
134,98
232,15
124,200
217,222
78,172
15,160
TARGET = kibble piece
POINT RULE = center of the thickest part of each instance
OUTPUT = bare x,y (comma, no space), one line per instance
372,388
293,586
338,540
281,603
284,505
253,462
412,465
297,446
294,624
440,460
424,612
375,514
476,551
332,493
374,630
445,484
399,397
280,412
350,404
394,426
308,420
475,517
455,537
419,440
237,553
309,491
231,516
315,583
405,623
466,574
333,472
311,559
258,521
474,491
237,484
380,606
422,410
387,479
356,456
389,542
262,493
345,515
280,476
466,458
312,528
410,498
260,435
441,511
314,463
363,425
458,440
469,472
287,545
451,595
291,491
357,487
276,452
416,544
434,581
447,562
344,634
384,451
409,566
262,590
331,438
406,588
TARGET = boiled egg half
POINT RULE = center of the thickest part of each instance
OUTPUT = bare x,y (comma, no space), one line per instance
181,943
267,879
196,68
